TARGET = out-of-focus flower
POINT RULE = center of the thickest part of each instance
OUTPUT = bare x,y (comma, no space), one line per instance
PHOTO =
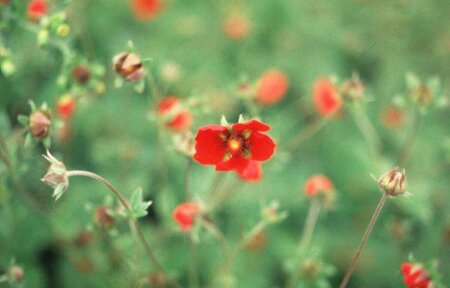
174,115
185,215
36,9
271,87
251,173
15,274
170,72
232,147
56,176
81,74
39,123
4,2
103,217
129,66
318,184
393,182
184,143
146,9
84,238
415,276
236,26
352,89
65,107
392,117
326,97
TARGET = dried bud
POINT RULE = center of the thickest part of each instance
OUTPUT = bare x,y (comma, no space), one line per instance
156,280
184,143
81,74
129,66
103,217
39,123
422,95
84,238
352,89
16,274
56,176
271,213
393,182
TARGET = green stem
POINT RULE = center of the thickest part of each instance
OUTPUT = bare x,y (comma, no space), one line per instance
125,203
307,133
363,242
193,273
187,179
405,152
310,224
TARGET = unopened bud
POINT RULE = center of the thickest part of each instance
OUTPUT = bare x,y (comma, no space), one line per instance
81,74
56,176
63,30
129,66
352,89
393,182
40,123
103,217
16,274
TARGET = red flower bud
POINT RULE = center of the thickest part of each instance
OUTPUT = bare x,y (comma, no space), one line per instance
185,215
65,106
272,87
40,123
129,66
318,184
325,97
392,117
393,182
81,74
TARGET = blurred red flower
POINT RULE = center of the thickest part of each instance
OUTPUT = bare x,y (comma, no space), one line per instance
185,214
251,173
175,117
65,107
325,97
392,117
272,87
4,1
236,27
233,147
318,184
415,276
36,9
146,9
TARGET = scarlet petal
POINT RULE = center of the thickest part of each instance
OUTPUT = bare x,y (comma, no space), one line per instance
406,268
251,173
261,146
210,147
236,162
252,125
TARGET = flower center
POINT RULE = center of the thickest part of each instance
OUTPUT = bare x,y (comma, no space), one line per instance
234,145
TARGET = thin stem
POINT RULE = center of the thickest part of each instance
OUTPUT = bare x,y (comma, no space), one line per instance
193,273
405,152
217,234
125,203
153,87
310,224
363,242
187,179
136,247
307,133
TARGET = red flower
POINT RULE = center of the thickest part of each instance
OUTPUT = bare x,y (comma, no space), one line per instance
36,9
185,214
236,27
251,173
415,276
65,107
272,87
326,98
318,184
4,1
146,9
233,147
175,117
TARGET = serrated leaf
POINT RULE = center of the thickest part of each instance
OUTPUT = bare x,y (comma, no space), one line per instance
138,205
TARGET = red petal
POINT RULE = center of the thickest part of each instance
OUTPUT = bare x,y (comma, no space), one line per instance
261,146
252,125
210,147
236,162
406,268
251,173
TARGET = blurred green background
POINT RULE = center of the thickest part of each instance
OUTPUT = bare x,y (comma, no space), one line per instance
114,136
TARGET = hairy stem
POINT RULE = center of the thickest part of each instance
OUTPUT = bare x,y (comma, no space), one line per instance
310,224
363,242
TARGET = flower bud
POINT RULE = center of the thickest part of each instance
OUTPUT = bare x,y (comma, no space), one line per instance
393,182
352,89
174,115
16,274
236,27
56,176
63,30
8,68
421,95
129,66
272,87
185,215
65,106
39,123
81,74
36,10
103,217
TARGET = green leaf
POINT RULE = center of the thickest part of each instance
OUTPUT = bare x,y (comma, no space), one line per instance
138,205
23,120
